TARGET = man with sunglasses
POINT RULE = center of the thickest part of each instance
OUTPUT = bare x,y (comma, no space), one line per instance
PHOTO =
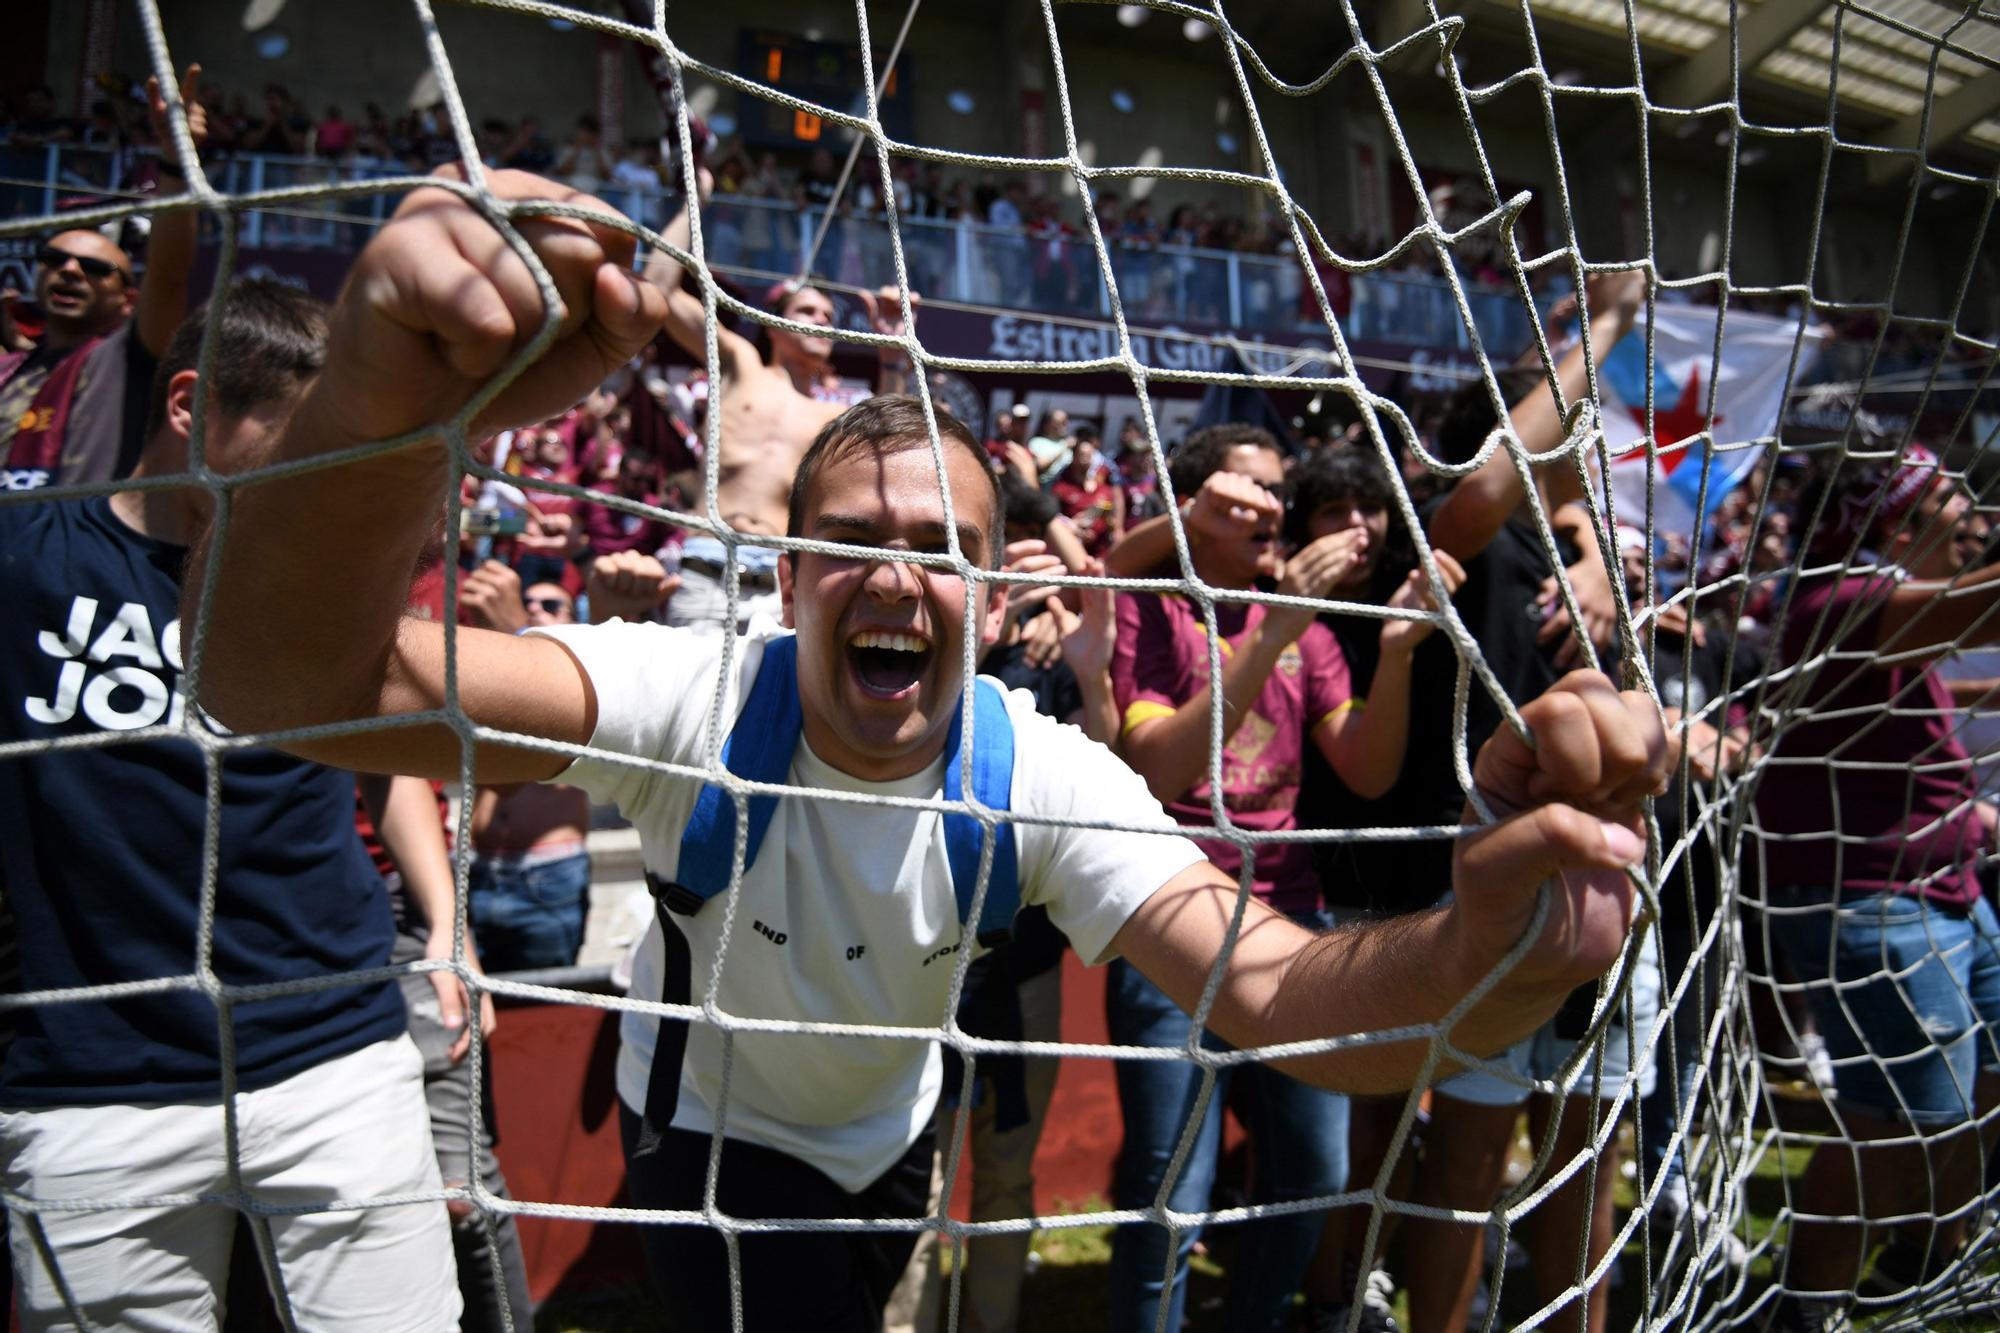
73,408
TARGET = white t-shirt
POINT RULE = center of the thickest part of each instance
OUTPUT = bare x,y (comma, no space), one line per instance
848,913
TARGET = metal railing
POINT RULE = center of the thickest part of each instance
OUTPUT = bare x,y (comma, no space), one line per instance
957,260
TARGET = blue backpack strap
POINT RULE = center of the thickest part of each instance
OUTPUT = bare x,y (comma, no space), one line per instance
993,786
759,748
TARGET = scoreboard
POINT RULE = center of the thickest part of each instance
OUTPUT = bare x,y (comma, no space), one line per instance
827,73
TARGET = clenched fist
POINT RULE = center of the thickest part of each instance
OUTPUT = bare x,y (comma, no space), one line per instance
627,585
439,302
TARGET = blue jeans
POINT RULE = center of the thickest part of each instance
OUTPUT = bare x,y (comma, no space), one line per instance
1300,1138
529,916
1906,993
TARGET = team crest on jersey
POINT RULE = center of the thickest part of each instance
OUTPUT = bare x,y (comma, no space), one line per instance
1290,661
1250,739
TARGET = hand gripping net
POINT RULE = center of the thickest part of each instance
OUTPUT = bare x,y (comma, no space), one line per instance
1742,1159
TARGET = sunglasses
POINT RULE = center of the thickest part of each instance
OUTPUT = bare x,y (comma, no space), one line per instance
555,606
54,257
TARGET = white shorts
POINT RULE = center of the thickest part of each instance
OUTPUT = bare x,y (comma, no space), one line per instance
1540,1056
353,1128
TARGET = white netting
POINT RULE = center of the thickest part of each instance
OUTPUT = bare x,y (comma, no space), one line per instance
1742,1142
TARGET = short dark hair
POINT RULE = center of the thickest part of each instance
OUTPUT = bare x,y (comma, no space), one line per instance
1340,473
1203,453
1026,504
776,298
887,423
270,340
1469,417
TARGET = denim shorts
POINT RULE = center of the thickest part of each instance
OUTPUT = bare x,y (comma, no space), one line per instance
1905,992
529,915
1539,1057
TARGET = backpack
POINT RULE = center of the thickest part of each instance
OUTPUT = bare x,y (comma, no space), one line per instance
759,748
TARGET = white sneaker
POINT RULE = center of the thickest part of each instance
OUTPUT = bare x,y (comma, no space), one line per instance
1675,1211
1819,1061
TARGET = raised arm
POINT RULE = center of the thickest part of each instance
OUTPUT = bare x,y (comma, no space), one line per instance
406,820
1226,503
1934,618
686,322
314,568
170,247
1170,751
1479,505
1579,795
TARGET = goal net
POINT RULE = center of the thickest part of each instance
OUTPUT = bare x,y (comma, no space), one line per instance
1760,550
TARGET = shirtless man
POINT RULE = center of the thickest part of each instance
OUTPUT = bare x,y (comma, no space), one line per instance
770,414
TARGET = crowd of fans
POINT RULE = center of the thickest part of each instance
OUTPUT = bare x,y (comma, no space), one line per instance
1332,722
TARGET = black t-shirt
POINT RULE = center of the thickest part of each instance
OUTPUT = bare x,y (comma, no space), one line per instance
1056,692
1497,604
101,863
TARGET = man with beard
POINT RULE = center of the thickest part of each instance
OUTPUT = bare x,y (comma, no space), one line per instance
73,409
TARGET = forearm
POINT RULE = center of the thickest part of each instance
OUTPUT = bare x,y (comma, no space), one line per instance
1142,550
685,315
1171,752
1931,619
1479,505
1380,976
305,618
1099,715
892,375
170,249
1285,983
1973,693
1062,539
1373,736
414,838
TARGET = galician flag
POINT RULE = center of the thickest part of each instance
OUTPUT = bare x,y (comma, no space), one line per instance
1749,390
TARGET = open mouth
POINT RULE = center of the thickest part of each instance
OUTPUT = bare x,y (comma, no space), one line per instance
888,665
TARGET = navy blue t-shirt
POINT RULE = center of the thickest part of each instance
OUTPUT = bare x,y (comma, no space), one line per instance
100,860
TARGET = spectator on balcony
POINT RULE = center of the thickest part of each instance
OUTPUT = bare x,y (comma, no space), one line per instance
73,409
1010,207
1007,214
334,136
528,150
39,123
816,186
283,129
638,171
1052,260
930,197
584,163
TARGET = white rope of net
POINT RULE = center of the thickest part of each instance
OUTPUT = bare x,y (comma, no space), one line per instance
1731,1078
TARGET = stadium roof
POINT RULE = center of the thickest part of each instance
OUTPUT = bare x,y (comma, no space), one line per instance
1787,50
